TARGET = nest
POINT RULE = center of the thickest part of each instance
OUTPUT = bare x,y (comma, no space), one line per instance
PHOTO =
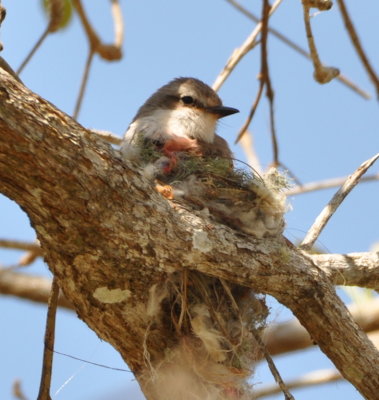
237,197
215,324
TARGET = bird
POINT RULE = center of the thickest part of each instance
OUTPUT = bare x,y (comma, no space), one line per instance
180,116
173,135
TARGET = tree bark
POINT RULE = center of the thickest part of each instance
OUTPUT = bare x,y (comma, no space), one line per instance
108,237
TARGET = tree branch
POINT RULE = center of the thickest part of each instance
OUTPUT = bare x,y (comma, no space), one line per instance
354,269
279,338
29,287
108,237
335,202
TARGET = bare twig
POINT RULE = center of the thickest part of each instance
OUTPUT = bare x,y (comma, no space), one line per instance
322,74
326,184
110,52
33,50
29,287
319,377
252,110
264,80
17,390
334,203
33,250
29,258
357,45
83,84
56,13
247,145
118,23
240,52
19,245
266,76
3,13
44,389
275,373
312,378
291,336
341,78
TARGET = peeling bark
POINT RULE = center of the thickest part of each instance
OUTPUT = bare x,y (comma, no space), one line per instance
108,237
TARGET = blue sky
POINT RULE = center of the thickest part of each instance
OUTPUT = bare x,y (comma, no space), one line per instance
323,132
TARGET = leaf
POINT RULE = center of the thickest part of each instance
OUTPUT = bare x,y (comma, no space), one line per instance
59,13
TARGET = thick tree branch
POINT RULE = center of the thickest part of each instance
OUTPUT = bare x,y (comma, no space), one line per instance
108,237
279,338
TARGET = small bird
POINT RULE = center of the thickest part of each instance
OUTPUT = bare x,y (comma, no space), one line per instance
180,116
173,136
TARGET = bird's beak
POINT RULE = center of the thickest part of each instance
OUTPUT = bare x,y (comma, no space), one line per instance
222,111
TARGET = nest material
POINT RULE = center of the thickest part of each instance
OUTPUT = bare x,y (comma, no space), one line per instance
236,197
215,324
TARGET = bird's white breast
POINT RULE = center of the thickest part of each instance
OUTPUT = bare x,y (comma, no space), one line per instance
182,121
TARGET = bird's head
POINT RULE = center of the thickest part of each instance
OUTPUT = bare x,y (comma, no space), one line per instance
184,107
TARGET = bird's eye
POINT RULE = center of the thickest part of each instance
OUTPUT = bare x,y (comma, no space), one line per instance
187,100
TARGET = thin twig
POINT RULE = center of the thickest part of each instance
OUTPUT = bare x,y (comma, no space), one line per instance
357,45
266,76
19,245
326,184
83,84
118,23
240,52
3,13
110,52
248,147
29,287
272,366
17,390
313,378
33,250
265,81
252,111
322,74
44,389
56,13
341,78
334,203
33,50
